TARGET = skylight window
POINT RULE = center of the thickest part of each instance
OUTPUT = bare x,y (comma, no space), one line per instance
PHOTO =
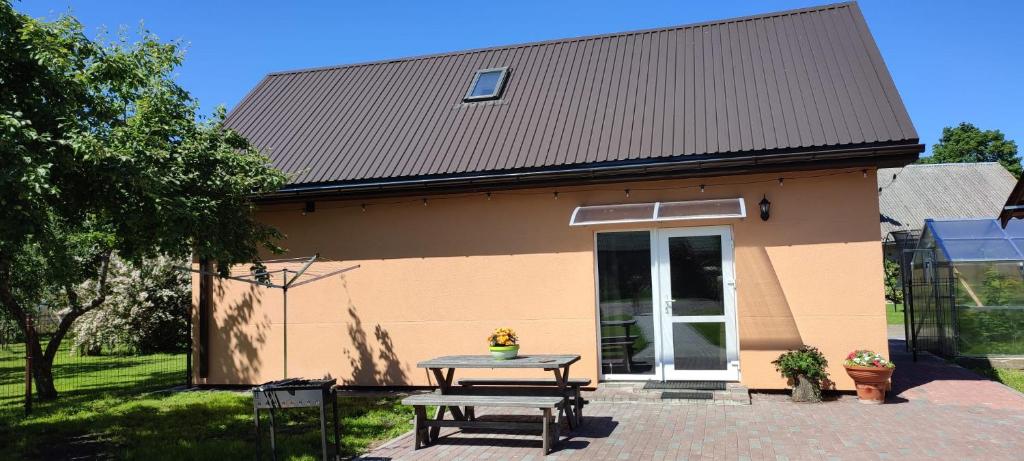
487,84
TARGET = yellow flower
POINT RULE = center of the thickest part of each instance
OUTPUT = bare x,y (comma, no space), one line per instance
503,337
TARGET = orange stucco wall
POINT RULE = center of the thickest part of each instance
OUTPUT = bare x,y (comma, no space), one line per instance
436,279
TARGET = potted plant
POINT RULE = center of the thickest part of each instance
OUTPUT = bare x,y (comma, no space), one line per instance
504,344
805,370
870,373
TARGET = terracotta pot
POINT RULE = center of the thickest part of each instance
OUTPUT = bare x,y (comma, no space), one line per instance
871,383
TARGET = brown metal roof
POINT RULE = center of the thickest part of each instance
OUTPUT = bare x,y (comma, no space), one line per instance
799,81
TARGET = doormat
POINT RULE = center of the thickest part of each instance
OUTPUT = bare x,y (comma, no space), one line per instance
691,385
686,395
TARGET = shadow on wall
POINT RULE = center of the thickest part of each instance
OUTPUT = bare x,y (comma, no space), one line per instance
444,228
241,332
774,328
368,367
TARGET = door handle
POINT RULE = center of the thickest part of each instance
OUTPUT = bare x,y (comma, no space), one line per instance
668,306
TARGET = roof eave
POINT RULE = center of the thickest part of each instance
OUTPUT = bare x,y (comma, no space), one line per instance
878,156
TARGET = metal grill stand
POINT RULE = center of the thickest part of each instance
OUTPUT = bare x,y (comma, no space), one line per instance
296,393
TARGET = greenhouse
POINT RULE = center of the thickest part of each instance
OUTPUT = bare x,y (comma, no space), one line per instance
966,288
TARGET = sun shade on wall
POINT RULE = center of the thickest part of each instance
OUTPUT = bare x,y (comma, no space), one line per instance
978,239
658,211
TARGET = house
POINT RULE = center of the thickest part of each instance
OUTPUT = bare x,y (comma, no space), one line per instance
909,195
681,203
1014,206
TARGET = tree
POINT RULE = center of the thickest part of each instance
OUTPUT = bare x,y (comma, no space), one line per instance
146,311
893,282
101,153
967,143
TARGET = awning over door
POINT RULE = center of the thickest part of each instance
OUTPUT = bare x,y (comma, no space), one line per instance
658,211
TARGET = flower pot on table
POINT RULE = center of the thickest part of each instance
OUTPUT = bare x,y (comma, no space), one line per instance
504,352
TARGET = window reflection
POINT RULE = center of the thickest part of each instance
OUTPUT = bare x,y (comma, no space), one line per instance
696,274
625,302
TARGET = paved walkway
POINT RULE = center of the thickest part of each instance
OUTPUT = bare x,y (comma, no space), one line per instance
896,332
936,410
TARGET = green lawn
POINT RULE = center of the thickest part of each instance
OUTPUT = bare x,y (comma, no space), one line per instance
77,375
136,420
1009,377
894,316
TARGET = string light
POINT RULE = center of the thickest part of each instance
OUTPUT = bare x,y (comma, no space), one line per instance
702,188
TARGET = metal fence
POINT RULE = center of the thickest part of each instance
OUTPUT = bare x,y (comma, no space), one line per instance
86,374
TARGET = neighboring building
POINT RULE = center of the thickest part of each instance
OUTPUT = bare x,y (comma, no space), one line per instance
600,195
1014,206
909,195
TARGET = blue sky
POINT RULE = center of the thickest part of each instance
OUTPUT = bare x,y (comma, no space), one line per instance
952,61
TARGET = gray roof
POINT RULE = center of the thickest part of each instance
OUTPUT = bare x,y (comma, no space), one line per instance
940,191
796,81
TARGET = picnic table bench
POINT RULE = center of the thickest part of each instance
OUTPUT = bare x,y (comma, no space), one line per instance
559,393
427,430
574,384
622,343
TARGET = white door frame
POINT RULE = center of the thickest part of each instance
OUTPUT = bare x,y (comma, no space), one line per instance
663,371
657,375
728,317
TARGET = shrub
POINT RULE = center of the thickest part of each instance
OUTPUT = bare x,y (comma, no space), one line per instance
805,368
893,282
146,311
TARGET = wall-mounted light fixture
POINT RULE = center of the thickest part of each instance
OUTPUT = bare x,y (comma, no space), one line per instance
309,208
766,208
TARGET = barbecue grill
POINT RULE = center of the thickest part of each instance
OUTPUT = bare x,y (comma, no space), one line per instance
295,393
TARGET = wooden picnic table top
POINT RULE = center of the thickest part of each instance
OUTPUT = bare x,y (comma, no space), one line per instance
618,323
546,361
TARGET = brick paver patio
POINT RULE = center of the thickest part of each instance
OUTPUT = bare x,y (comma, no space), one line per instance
936,410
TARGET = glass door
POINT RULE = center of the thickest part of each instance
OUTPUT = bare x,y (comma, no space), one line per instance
628,322
697,304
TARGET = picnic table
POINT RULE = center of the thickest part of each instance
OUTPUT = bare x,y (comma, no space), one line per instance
462,397
624,343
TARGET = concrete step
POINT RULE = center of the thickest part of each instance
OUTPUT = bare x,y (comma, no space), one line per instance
634,392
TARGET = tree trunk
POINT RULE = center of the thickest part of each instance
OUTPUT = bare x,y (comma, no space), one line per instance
42,367
42,373
806,390
42,361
